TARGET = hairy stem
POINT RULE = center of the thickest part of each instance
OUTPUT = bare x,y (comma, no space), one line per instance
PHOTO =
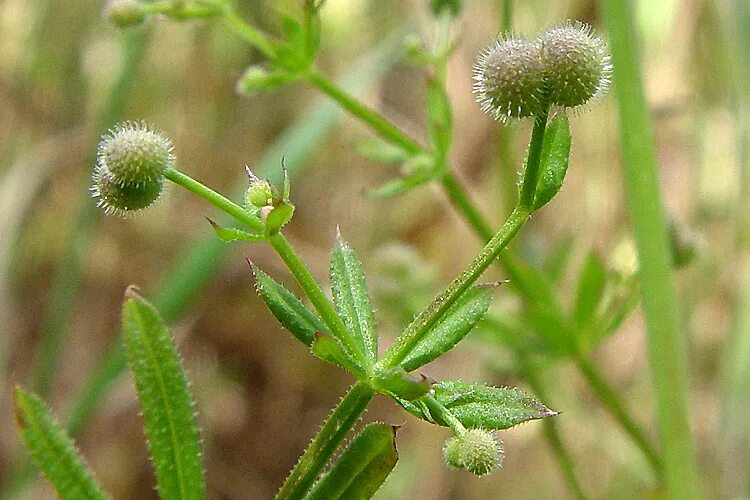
433,313
287,254
325,443
314,292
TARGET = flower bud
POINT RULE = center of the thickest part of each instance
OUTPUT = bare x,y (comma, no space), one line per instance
134,154
577,64
124,13
260,192
122,200
509,79
476,451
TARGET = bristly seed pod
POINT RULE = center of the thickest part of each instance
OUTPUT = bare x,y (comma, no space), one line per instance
130,166
123,200
577,64
133,154
509,79
476,451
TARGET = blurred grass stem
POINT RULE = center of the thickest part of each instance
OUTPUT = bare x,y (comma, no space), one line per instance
665,336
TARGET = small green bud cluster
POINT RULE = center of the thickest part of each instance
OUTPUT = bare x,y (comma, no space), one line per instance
130,166
477,451
124,13
566,66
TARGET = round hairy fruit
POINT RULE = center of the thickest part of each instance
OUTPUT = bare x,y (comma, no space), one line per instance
123,199
509,79
577,65
133,153
476,451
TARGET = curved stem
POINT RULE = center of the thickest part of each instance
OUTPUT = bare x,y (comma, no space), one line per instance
221,202
325,443
378,123
248,33
616,407
549,425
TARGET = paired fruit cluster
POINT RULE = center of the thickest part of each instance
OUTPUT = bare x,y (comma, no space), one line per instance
130,165
566,66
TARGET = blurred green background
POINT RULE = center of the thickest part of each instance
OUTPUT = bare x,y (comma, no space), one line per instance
64,266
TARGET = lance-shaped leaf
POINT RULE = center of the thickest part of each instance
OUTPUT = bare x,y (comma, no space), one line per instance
362,468
352,299
53,450
287,308
479,405
166,404
229,234
329,349
555,157
456,323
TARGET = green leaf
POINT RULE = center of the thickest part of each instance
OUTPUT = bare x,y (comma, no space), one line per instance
398,186
590,290
380,151
396,382
352,299
258,79
479,405
287,308
278,217
555,158
362,468
166,404
229,234
53,450
329,349
449,331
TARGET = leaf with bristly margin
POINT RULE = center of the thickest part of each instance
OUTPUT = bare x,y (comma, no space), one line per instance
167,407
287,308
53,450
455,325
554,160
362,468
229,234
352,299
329,349
479,405
278,217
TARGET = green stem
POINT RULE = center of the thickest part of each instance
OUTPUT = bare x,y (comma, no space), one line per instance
616,407
432,314
248,33
221,202
549,425
287,254
441,412
666,338
377,122
314,292
325,443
